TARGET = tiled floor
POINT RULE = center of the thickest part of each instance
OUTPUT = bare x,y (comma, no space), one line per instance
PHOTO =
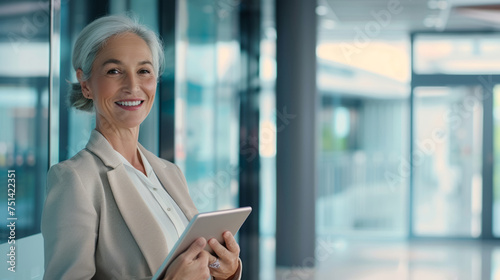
392,260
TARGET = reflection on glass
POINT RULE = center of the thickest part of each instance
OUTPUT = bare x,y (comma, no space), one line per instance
24,89
207,108
364,136
447,161
24,149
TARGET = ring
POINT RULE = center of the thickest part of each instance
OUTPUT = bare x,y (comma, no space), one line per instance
216,264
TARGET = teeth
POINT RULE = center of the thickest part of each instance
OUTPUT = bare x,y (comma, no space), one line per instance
129,103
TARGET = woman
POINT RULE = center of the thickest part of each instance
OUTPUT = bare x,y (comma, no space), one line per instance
114,209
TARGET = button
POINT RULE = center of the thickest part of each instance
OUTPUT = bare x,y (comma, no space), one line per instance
169,209
155,189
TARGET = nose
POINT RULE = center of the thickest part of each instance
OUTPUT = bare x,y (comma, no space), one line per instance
131,83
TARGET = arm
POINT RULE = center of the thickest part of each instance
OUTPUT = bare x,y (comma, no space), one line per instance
69,226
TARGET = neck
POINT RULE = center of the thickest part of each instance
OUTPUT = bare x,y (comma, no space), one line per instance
123,140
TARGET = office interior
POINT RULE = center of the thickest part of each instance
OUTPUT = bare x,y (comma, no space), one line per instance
362,132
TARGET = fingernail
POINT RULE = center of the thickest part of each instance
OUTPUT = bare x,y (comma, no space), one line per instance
212,241
200,242
226,234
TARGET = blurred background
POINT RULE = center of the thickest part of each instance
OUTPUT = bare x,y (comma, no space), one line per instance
362,132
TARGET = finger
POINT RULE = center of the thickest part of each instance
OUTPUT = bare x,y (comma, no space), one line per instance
195,248
231,243
206,258
219,249
211,258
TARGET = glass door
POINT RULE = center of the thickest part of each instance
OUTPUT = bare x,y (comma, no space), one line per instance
447,161
454,124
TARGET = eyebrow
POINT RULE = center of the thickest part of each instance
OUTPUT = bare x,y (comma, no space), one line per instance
116,61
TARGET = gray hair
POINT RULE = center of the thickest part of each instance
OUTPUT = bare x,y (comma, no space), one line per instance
92,39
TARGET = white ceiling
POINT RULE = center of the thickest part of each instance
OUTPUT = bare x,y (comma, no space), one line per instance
340,18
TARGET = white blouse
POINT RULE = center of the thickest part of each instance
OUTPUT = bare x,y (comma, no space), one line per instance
165,210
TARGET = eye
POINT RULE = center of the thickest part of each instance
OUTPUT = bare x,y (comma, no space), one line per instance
144,71
113,71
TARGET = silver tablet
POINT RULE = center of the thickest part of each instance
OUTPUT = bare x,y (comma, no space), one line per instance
208,225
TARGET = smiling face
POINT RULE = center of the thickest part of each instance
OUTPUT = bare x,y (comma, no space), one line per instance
123,82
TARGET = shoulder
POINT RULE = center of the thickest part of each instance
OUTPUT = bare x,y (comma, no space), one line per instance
79,180
81,167
81,158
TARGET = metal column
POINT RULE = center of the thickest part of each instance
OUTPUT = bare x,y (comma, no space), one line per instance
296,101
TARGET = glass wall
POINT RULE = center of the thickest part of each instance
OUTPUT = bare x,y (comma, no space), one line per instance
24,110
207,101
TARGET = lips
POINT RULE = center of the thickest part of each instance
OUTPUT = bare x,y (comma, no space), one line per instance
130,104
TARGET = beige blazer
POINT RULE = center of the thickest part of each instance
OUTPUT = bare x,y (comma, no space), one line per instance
95,224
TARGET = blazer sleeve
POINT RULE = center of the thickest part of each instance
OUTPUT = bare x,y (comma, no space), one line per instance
237,276
69,226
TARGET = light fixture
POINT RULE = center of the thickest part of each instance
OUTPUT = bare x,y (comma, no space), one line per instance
440,20
321,10
437,4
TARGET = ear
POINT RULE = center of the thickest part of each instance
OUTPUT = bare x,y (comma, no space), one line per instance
84,84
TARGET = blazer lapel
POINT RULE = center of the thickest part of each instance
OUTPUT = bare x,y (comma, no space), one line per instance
136,214
173,182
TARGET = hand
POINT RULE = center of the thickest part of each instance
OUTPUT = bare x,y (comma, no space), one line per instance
192,264
228,256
